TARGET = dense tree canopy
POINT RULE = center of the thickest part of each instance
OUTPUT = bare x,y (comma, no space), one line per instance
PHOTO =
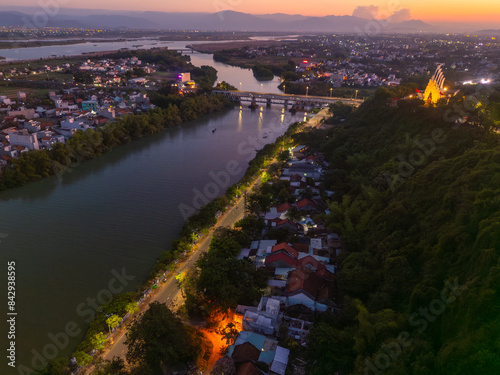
159,338
417,205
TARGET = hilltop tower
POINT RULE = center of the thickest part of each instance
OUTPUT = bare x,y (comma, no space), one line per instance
435,89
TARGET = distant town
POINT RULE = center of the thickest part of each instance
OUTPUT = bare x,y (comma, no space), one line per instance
93,91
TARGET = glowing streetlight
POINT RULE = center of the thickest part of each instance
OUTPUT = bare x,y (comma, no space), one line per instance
331,89
307,90
284,92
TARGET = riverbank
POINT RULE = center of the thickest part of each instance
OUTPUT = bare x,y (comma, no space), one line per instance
21,44
38,164
215,47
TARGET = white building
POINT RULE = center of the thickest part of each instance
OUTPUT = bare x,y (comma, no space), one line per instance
74,123
25,139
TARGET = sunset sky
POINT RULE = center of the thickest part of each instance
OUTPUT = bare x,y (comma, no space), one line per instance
426,10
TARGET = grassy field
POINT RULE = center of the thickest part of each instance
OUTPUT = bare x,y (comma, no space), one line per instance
51,76
39,63
11,92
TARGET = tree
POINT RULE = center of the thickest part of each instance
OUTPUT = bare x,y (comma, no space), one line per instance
131,308
113,321
82,358
114,367
230,333
158,338
98,341
251,224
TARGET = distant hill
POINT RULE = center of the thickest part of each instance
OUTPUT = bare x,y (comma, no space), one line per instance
220,21
11,19
489,32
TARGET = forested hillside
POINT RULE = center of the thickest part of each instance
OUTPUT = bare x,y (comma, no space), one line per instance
418,205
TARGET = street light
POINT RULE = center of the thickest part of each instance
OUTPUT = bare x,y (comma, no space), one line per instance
356,97
307,90
331,89
262,87
284,92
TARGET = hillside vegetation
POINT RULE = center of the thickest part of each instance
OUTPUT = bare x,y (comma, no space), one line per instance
418,204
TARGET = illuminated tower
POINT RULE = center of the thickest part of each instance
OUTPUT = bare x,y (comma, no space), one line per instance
434,90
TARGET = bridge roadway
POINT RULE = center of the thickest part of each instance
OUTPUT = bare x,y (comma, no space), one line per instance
284,99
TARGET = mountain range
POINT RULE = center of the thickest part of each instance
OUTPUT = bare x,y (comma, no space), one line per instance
220,21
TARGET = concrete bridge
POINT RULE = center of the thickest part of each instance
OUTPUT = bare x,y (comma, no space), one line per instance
184,50
284,99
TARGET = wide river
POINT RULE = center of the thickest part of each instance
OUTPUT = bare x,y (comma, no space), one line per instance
69,236
240,78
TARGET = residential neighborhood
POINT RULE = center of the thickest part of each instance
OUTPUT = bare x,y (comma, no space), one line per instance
61,116
301,274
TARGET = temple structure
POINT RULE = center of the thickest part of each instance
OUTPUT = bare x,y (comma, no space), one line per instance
435,88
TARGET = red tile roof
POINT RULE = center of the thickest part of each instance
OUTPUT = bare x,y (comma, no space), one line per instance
283,207
301,247
308,261
248,368
245,352
283,257
289,222
283,246
312,158
307,202
306,280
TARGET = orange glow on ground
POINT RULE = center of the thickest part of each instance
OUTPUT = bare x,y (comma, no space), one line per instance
218,341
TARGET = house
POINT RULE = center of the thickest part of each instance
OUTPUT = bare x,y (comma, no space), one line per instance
137,81
308,205
277,212
265,320
31,126
248,368
266,347
27,113
280,361
259,250
109,113
303,170
308,289
289,225
74,123
299,151
49,141
280,260
298,329
24,138
90,105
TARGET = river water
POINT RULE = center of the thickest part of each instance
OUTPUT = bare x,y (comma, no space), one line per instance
69,238
242,79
